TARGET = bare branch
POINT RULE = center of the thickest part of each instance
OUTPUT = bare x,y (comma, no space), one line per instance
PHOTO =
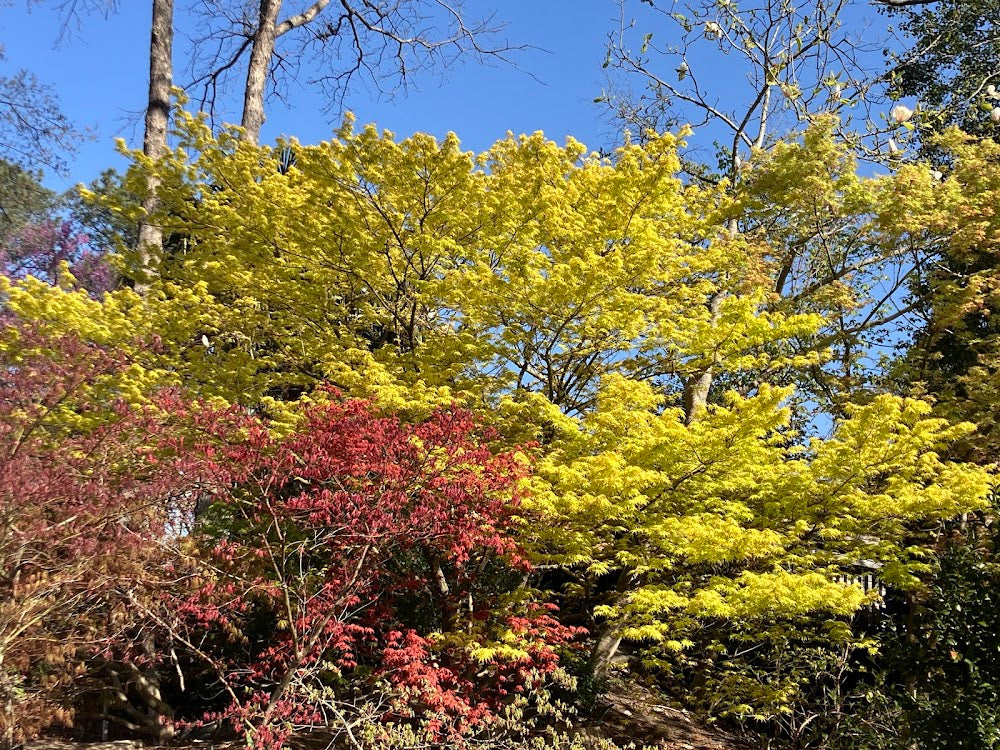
300,19
381,45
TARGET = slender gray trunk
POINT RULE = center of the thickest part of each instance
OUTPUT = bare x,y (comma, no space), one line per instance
696,394
154,144
697,386
260,62
605,650
610,638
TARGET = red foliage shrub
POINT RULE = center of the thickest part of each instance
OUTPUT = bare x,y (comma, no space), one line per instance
359,560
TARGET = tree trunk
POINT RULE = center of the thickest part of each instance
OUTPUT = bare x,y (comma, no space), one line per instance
260,62
605,651
696,390
697,386
448,613
610,639
154,143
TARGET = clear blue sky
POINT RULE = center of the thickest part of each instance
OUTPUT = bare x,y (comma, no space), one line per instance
100,74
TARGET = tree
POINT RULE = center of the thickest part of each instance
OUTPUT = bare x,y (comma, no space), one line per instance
363,567
33,130
350,39
947,655
83,513
154,142
799,59
954,354
351,557
45,235
566,298
23,199
51,248
803,65
107,230
949,66
149,242
949,63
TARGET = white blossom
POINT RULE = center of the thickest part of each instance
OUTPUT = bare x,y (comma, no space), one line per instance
901,113
893,148
995,114
713,30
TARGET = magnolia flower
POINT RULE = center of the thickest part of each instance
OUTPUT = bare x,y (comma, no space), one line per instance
995,114
893,148
682,70
205,342
901,113
937,175
991,91
713,30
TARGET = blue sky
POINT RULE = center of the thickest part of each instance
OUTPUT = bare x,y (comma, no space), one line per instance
100,74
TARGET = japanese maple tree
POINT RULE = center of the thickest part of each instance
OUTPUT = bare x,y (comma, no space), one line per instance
350,558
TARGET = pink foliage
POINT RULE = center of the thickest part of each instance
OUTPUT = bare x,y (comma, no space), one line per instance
39,249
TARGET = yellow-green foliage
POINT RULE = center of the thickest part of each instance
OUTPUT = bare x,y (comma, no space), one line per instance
420,273
730,516
565,297
957,357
